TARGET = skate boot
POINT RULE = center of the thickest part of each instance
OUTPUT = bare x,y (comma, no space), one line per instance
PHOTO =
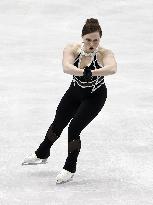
64,176
33,160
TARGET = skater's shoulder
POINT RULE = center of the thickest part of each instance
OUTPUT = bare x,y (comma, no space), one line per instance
107,56
105,51
74,47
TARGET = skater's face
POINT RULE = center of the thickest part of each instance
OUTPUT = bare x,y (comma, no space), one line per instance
91,41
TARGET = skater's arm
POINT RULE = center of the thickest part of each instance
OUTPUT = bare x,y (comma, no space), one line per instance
109,62
68,60
73,70
106,70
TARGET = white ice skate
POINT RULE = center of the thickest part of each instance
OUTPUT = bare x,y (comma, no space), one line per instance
64,176
33,160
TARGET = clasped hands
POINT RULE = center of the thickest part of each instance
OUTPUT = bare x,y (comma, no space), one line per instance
87,74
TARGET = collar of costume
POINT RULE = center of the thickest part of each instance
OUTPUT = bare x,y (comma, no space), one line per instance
88,54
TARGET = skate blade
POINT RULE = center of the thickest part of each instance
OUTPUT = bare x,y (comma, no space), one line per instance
26,163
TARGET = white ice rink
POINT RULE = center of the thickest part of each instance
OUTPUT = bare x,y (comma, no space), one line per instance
115,164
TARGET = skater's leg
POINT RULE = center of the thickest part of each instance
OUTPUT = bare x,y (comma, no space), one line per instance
64,113
86,112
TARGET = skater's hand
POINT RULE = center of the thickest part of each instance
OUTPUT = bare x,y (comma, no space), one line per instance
87,73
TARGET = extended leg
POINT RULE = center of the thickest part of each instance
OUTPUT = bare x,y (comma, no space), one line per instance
64,113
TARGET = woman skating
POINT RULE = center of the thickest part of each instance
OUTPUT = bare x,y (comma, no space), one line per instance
88,62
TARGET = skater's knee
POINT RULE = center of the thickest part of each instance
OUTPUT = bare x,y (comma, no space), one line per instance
74,145
52,135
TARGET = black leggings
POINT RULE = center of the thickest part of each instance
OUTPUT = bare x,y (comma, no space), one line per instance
78,107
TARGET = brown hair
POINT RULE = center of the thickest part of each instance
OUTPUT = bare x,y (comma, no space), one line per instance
91,25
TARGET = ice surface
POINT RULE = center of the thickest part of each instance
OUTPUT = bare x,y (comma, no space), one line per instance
115,165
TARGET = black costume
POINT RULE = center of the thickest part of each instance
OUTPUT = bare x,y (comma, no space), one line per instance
80,104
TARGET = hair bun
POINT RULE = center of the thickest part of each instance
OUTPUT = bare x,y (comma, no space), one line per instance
92,20
91,25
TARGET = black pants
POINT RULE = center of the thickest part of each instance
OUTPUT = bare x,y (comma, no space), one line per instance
78,107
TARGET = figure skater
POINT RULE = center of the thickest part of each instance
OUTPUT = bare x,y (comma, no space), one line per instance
88,62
